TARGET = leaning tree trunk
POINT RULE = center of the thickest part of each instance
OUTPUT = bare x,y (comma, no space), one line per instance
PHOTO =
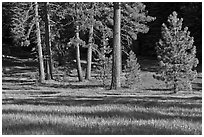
116,68
49,68
79,69
40,55
89,54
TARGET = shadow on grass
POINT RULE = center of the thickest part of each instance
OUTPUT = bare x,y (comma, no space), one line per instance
13,71
19,84
9,62
168,91
73,86
63,129
165,102
58,128
136,115
197,86
27,82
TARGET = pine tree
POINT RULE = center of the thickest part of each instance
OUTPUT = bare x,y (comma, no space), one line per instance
116,69
40,54
76,10
177,55
7,40
105,62
134,20
132,70
49,62
104,70
91,22
83,15
22,22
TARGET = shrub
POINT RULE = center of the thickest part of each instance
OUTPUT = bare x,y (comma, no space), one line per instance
177,55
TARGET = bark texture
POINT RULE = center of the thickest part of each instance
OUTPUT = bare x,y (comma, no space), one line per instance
116,68
79,69
39,46
89,54
49,68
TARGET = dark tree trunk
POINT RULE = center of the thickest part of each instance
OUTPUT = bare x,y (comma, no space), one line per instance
40,54
89,54
49,68
116,68
79,69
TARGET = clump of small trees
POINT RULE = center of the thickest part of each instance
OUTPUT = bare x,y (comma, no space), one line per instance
176,55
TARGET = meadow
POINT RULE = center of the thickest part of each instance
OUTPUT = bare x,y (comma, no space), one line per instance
65,106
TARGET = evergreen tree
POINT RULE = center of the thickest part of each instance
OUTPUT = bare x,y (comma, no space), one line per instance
40,54
133,21
116,68
88,18
177,55
105,62
132,70
22,22
49,62
91,12
104,69
7,40
26,21
76,11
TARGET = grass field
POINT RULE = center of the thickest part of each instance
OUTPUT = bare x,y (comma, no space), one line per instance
70,107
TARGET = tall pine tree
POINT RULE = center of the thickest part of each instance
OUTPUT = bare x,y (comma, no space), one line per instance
49,62
116,68
40,54
177,55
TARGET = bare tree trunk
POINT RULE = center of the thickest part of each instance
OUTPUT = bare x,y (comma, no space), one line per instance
79,69
104,43
116,68
89,54
49,69
40,54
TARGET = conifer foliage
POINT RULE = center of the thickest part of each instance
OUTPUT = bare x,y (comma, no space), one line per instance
22,22
177,55
104,70
132,70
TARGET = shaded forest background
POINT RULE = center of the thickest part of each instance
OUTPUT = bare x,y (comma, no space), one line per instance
145,44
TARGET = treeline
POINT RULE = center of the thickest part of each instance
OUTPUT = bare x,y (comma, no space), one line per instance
74,26
145,44
63,34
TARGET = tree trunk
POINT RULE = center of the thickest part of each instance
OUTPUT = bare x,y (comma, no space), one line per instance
116,68
79,69
104,44
49,69
89,54
40,54
175,85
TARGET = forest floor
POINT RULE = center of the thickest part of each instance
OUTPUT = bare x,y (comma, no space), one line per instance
66,106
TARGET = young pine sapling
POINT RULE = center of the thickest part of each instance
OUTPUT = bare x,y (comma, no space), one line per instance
177,55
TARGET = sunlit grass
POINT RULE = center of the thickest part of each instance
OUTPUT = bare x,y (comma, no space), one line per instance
100,119
71,107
